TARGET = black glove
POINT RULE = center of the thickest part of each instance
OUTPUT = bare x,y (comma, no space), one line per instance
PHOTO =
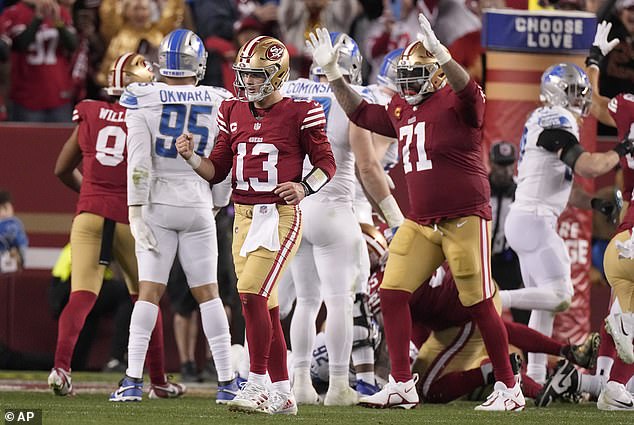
625,147
594,56
603,206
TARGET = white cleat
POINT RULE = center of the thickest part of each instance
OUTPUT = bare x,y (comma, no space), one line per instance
614,396
305,394
60,382
251,398
504,399
394,394
621,327
281,404
341,396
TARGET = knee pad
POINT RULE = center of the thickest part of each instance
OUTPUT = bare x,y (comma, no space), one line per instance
366,331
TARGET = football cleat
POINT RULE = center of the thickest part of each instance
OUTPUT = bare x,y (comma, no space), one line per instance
130,389
504,399
281,404
366,389
394,394
584,355
621,327
341,396
614,396
304,392
60,382
563,383
167,390
227,390
250,397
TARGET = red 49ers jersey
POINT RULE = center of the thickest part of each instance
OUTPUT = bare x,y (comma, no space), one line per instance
270,149
621,107
102,139
41,76
440,141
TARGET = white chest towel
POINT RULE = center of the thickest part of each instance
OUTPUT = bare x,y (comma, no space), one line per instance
263,231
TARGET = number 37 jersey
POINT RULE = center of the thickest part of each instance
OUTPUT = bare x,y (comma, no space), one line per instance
157,114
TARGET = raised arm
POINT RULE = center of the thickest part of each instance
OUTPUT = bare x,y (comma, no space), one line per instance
600,47
202,166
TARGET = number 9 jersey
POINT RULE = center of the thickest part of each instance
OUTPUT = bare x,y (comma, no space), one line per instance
157,114
101,137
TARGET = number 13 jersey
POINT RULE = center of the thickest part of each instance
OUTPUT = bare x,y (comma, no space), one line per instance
269,149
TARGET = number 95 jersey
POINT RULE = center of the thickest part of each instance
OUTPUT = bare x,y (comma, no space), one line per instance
157,114
101,135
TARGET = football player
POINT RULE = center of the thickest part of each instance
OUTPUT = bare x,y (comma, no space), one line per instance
100,230
170,207
263,140
550,154
439,127
328,259
619,268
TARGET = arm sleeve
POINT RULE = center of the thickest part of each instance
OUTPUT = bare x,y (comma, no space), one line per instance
470,104
221,155
374,118
139,158
221,193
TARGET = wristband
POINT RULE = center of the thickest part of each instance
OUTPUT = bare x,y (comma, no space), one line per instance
391,211
332,71
194,161
594,57
624,147
314,181
442,55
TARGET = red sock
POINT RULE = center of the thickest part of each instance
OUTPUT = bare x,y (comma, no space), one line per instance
259,331
621,372
495,339
530,340
454,385
155,353
278,370
70,324
398,329
606,347
530,388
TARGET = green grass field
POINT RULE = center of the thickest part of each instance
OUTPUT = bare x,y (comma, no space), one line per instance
90,406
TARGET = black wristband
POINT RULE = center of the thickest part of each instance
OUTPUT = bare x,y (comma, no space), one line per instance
594,56
307,190
625,147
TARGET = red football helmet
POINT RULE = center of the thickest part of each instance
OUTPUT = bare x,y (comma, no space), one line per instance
377,245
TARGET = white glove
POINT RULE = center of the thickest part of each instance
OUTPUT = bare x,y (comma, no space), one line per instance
141,232
601,38
625,249
324,54
430,41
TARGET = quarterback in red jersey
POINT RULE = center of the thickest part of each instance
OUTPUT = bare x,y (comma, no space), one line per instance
618,260
43,40
439,127
100,229
264,138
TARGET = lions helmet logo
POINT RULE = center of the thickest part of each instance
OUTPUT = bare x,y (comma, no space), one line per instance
274,52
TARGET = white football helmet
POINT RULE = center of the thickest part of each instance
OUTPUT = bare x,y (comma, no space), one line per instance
182,54
566,85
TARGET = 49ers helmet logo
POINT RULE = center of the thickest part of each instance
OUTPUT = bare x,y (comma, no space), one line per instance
274,52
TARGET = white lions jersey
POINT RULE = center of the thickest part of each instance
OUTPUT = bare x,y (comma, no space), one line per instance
157,114
341,186
544,181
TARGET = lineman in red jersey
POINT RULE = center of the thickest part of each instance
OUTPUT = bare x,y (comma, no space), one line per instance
100,229
618,260
264,138
439,130
43,39
452,360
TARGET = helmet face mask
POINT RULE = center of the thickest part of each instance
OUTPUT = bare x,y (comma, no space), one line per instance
388,70
128,68
182,54
418,74
261,58
348,59
566,85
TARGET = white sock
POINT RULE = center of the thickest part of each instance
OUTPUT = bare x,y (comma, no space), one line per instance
339,324
604,366
591,384
282,386
532,299
630,385
256,378
303,330
142,323
216,328
542,322
487,372
301,376
363,356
